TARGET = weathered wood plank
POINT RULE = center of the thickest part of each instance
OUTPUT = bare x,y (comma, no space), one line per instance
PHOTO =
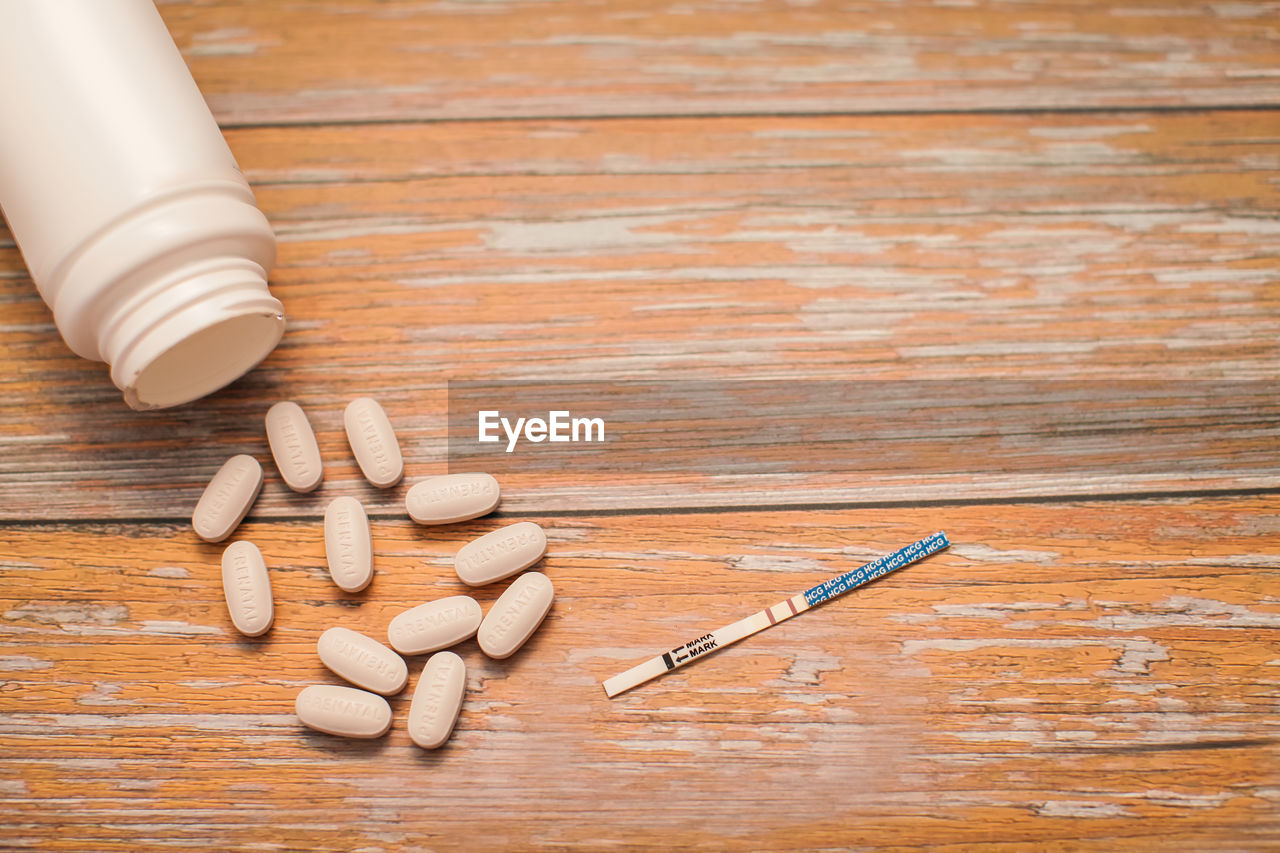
800,248
327,61
1076,675
1070,675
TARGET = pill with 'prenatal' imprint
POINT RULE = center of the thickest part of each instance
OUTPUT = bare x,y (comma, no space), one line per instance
516,615
437,700
500,554
434,625
294,448
227,498
362,660
247,588
343,711
373,442
348,544
452,498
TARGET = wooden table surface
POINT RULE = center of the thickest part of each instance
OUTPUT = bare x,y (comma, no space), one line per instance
510,190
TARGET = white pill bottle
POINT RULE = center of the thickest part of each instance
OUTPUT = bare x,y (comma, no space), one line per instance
134,220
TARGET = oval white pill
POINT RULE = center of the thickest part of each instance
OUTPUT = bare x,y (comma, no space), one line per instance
343,711
516,615
500,554
452,498
434,625
362,660
294,447
247,588
227,498
348,544
373,442
437,700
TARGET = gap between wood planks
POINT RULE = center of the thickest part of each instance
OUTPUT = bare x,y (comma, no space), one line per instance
1176,746
1119,497
1135,109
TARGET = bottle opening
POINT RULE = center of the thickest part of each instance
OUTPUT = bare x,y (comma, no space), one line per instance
205,361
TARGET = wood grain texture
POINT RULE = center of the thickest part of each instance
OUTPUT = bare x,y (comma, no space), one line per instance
328,60
1141,246
1063,675
898,192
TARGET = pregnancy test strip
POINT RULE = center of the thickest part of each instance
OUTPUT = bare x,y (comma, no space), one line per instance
770,616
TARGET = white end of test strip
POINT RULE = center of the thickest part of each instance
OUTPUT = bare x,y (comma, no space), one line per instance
689,652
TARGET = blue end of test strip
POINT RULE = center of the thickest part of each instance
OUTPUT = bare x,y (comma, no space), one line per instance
876,568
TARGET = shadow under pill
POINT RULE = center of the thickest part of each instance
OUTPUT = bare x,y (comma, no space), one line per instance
340,746
257,644
433,758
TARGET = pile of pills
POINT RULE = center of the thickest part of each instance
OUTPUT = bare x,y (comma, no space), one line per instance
374,669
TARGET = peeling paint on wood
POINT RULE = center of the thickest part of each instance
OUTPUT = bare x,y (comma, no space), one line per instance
919,190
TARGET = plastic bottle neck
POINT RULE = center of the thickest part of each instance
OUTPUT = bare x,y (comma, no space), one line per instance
173,295
212,322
